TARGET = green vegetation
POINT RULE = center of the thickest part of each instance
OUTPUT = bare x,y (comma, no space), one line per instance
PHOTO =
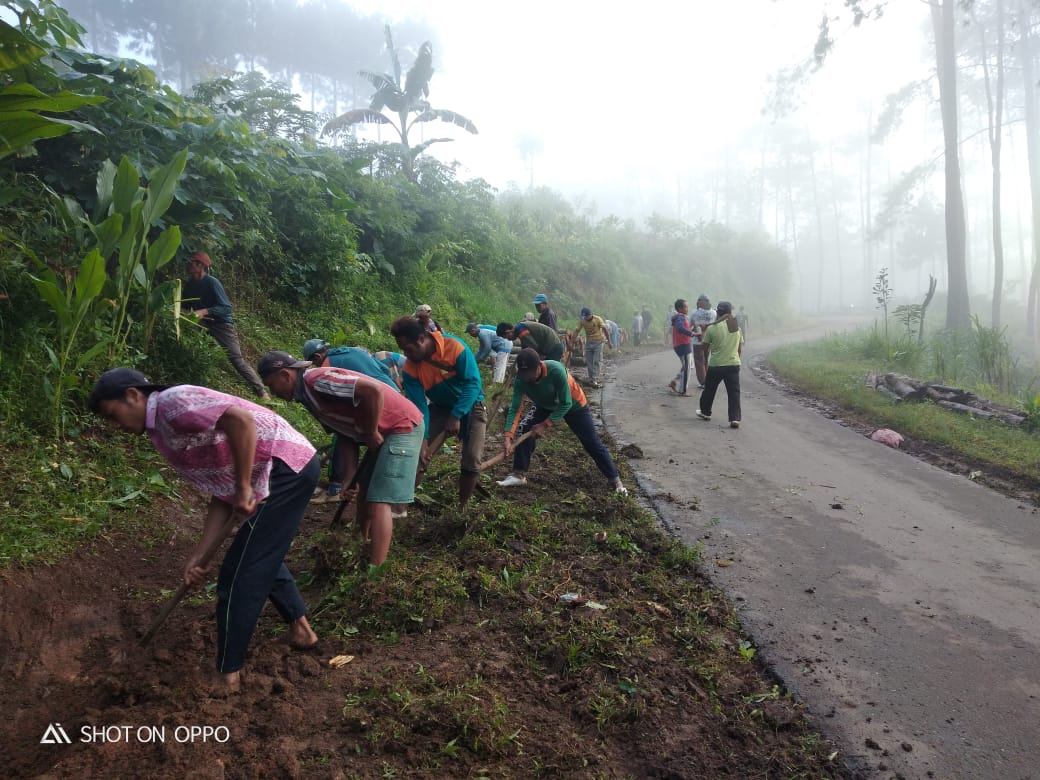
834,369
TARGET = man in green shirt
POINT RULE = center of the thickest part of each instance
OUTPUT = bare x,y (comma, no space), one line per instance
556,396
725,342
540,338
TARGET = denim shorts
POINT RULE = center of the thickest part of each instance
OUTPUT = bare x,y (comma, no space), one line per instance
393,475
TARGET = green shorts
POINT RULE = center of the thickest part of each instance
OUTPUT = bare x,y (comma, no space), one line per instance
393,475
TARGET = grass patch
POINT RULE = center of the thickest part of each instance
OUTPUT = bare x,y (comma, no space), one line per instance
833,369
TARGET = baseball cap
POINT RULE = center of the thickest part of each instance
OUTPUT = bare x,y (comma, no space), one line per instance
313,346
519,328
423,308
540,298
276,361
703,297
527,363
723,307
203,258
586,312
115,382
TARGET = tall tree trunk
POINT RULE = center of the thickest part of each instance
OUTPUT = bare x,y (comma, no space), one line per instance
958,311
995,109
836,211
1033,155
868,245
821,253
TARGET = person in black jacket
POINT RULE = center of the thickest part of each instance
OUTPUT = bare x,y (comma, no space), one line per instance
204,295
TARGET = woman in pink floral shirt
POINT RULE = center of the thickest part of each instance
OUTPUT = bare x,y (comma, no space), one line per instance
250,461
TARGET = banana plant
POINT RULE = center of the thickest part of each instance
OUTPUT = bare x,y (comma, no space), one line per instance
127,211
72,300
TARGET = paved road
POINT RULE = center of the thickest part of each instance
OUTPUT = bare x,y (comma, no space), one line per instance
900,603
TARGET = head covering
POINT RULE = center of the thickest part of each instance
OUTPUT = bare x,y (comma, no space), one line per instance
723,307
529,317
471,326
703,297
519,328
277,360
540,298
586,312
312,347
203,258
527,363
423,308
116,381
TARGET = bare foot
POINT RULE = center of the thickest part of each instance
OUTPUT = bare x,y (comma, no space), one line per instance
301,635
232,682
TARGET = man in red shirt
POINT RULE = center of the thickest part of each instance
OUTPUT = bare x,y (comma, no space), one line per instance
363,410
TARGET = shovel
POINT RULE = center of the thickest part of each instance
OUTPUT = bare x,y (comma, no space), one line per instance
229,528
494,460
366,464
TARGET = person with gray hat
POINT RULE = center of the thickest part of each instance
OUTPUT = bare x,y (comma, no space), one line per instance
725,342
424,313
596,335
250,461
701,318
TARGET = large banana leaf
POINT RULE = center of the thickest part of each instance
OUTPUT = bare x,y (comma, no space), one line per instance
417,82
356,117
444,115
161,187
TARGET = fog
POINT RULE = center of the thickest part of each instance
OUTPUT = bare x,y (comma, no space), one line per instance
674,110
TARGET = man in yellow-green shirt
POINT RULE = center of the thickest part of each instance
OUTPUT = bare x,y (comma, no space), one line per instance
725,342
596,335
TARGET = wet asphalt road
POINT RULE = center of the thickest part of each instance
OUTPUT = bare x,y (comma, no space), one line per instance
900,603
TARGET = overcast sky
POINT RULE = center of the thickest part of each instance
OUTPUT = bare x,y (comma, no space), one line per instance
651,92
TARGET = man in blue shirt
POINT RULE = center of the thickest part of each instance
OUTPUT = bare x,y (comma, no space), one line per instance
491,344
204,295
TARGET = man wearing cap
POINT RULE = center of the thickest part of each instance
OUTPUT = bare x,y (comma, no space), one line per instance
361,410
596,335
701,318
251,462
725,342
442,369
424,314
491,344
204,295
546,316
344,461
541,338
556,396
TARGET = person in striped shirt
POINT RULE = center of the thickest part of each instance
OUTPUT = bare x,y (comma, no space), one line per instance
248,460
361,410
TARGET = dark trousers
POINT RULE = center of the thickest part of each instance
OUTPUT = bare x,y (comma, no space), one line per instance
700,363
224,333
555,353
716,375
254,568
579,420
